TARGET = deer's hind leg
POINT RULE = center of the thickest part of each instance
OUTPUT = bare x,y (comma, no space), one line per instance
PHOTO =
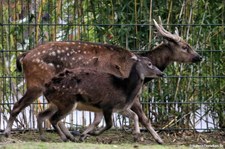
31,94
108,119
97,119
46,114
59,126
66,131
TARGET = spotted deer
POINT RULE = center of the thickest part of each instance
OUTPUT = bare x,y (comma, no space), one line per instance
102,90
43,62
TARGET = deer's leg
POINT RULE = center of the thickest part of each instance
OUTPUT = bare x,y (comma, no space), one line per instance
66,131
136,107
59,126
46,114
97,120
108,119
132,115
58,130
30,95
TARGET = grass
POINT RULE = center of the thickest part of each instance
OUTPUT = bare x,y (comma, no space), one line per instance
71,145
114,139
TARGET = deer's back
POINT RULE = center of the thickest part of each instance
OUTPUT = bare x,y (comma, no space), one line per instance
99,89
46,60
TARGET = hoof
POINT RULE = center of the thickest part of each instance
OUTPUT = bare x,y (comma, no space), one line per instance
72,139
160,141
43,139
83,137
138,137
64,139
6,134
95,133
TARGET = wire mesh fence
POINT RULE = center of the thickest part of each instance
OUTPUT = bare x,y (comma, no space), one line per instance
192,96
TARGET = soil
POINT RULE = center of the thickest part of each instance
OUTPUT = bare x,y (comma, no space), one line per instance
121,136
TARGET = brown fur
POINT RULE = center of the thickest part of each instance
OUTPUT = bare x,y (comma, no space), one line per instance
113,93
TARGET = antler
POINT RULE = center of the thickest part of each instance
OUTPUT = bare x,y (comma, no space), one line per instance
175,37
177,31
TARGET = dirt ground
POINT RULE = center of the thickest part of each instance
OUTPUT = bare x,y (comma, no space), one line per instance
119,137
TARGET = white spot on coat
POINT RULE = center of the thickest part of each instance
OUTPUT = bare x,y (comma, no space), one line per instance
42,67
50,64
38,60
53,53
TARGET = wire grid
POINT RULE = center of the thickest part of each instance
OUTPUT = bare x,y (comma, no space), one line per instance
191,97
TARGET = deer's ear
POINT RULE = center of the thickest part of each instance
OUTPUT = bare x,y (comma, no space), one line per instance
169,40
134,57
165,41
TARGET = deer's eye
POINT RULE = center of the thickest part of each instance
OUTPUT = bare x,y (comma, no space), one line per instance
150,65
185,48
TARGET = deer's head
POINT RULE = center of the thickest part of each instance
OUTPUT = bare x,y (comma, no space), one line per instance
181,50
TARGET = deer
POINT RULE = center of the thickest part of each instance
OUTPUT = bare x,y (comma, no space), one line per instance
44,61
101,90
175,50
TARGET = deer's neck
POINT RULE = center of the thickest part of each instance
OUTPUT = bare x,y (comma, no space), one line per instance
161,56
133,84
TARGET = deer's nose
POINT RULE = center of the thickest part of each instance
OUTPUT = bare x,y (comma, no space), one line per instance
197,59
161,75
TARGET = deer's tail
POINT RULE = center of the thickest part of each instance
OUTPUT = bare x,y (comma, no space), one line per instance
19,60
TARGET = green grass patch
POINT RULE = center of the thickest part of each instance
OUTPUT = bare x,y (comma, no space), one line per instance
71,145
